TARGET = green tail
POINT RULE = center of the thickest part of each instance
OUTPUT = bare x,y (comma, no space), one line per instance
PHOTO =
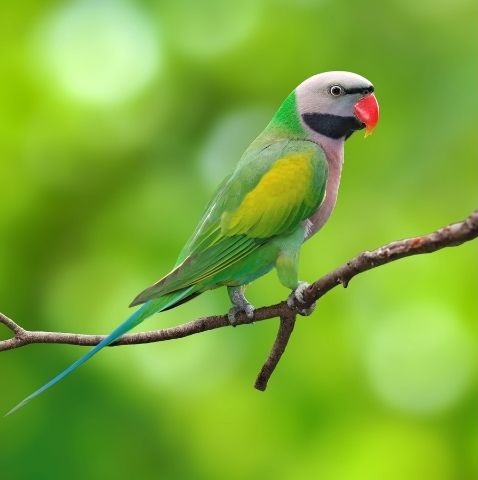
148,309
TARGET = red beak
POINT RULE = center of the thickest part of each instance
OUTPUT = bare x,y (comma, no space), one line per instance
367,111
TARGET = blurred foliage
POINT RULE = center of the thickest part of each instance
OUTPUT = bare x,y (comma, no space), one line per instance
117,120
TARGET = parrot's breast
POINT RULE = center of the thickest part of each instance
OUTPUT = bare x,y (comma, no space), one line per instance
335,157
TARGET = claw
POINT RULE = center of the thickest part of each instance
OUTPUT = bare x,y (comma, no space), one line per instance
234,311
297,297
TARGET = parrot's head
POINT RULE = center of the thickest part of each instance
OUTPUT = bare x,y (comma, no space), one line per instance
335,104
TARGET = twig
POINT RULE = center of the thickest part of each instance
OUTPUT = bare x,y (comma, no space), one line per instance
286,327
449,236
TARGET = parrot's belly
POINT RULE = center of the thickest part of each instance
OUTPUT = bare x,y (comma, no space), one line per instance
249,268
262,260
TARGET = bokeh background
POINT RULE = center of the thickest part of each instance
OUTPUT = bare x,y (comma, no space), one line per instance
117,121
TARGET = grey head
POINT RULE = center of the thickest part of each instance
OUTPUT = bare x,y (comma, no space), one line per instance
327,103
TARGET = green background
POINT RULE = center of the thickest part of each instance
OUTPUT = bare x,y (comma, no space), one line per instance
117,121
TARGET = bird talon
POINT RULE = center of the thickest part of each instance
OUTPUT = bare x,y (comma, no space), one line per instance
231,315
296,298
305,312
248,310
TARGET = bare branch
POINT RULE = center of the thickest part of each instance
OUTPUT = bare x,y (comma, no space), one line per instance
10,324
449,236
286,327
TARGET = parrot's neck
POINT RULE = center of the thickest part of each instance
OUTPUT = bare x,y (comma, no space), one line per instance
334,152
287,119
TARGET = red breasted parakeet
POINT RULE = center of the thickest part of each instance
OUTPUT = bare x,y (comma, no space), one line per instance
281,192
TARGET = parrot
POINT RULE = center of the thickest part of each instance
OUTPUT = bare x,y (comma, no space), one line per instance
281,192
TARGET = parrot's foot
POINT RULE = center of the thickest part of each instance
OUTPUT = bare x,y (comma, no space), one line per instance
231,315
241,305
296,298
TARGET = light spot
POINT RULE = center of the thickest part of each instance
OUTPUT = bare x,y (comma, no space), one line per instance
420,359
378,449
210,27
97,52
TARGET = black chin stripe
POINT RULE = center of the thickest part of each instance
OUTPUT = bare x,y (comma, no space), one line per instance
332,126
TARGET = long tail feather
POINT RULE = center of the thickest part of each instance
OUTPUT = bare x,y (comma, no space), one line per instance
148,309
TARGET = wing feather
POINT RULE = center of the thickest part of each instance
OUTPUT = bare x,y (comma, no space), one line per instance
273,190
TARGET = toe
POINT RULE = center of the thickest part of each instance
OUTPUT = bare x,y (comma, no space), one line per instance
299,291
291,300
249,311
296,299
231,316
305,312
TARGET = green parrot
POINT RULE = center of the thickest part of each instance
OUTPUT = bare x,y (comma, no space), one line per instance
281,192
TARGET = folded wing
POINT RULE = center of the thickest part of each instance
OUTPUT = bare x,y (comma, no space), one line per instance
272,191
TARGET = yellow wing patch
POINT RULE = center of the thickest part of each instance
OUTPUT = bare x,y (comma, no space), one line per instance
266,208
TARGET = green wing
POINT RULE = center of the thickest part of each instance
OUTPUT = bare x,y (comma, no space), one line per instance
273,189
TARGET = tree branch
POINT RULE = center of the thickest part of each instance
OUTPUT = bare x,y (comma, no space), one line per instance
286,327
449,236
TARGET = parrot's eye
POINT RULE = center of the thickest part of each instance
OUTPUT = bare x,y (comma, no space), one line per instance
336,90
